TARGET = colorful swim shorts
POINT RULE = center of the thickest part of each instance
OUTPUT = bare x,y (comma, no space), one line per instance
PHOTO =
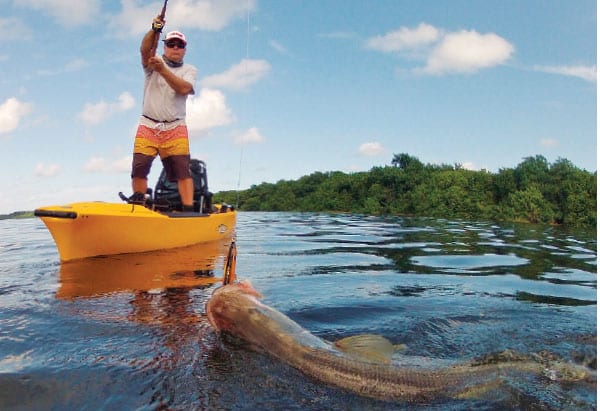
172,145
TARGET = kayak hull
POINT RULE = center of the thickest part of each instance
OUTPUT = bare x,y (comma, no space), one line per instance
89,229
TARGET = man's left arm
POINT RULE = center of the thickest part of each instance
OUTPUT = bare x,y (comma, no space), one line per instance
180,85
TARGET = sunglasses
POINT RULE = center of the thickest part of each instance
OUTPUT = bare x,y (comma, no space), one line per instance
172,44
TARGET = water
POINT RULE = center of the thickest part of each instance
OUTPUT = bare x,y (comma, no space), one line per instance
130,332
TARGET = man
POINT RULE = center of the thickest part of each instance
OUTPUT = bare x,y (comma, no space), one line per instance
162,129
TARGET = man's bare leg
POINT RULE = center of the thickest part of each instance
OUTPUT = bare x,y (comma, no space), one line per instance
140,185
186,191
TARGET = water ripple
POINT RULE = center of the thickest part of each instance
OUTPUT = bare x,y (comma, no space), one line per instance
132,333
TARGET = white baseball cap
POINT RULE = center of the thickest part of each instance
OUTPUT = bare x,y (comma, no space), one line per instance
175,35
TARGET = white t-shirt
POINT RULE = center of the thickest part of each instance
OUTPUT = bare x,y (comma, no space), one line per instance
160,100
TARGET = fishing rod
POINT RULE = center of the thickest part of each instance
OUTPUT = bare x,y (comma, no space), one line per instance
229,276
157,27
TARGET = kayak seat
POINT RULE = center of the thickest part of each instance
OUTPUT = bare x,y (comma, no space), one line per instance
166,194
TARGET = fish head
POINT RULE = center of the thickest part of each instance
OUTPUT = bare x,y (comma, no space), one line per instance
228,304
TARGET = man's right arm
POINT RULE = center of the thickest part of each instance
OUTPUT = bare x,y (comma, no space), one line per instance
150,41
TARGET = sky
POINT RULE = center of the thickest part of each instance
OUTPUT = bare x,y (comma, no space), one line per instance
287,88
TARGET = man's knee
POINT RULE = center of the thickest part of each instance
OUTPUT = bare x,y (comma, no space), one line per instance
140,166
177,167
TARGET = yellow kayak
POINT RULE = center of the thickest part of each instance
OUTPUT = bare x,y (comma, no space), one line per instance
88,229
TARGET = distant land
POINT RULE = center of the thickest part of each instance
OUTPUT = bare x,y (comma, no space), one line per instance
17,214
535,191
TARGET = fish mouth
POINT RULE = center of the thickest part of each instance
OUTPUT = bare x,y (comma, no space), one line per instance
243,287
218,304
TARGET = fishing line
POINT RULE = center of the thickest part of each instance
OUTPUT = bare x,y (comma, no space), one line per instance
244,102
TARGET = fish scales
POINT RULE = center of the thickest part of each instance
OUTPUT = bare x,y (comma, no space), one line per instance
235,309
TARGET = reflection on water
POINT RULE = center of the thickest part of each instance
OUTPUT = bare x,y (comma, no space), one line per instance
162,290
129,332
186,267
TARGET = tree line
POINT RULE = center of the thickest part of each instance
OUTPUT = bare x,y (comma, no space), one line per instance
17,214
534,191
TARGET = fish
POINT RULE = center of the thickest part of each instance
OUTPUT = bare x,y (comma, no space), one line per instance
363,364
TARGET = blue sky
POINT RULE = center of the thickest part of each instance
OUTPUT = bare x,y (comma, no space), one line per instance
286,88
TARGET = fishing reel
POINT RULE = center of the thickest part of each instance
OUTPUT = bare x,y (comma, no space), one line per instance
157,26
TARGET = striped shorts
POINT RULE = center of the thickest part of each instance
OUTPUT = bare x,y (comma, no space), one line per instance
172,145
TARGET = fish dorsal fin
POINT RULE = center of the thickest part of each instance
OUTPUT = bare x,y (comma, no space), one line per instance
368,347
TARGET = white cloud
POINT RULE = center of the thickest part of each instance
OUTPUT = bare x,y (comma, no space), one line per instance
95,164
11,112
548,142
100,164
210,15
133,19
404,38
67,12
371,149
239,76
250,136
467,52
445,52
469,165
122,164
46,170
125,102
96,113
207,110
588,73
